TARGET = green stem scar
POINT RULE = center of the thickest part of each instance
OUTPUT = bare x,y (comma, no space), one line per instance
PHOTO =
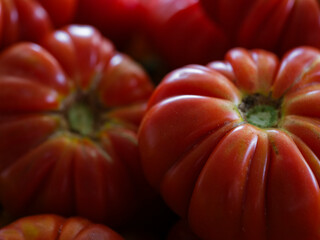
263,116
261,110
81,119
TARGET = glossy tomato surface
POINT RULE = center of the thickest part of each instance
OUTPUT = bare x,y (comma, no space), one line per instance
234,146
61,12
199,31
69,113
181,33
54,227
22,20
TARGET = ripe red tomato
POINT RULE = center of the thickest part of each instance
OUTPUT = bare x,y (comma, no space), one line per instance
61,12
183,34
69,113
274,25
116,19
234,146
22,20
54,227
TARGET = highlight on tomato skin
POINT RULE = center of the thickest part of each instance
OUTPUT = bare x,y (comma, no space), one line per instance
22,21
61,12
52,227
233,146
69,113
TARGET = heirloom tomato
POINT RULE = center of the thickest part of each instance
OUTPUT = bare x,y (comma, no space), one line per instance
69,113
117,19
22,20
183,33
54,227
234,146
62,12
274,25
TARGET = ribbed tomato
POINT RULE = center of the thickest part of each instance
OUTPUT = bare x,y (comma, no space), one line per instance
54,227
69,113
273,24
61,12
234,146
22,20
183,33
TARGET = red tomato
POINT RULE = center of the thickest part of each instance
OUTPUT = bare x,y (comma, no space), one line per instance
54,227
116,19
182,34
22,20
69,113
229,13
62,12
234,146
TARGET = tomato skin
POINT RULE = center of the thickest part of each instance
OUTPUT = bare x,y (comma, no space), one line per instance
227,13
22,21
181,33
200,31
229,178
49,226
119,20
98,175
283,26
61,12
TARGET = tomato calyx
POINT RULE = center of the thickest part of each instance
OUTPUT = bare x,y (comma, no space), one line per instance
81,119
260,110
82,114
263,116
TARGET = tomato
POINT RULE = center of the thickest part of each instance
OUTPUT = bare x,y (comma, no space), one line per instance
52,227
117,19
22,20
69,113
183,34
274,25
229,14
61,12
234,146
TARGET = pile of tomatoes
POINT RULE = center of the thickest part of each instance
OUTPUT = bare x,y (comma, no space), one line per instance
160,119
